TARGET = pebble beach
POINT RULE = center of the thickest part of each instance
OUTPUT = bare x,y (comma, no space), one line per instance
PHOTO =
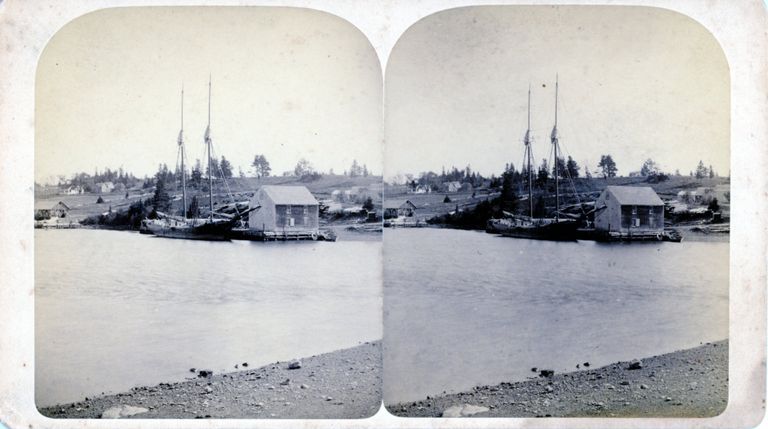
344,384
686,383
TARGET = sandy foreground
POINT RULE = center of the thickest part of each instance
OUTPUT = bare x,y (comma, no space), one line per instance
686,383
338,385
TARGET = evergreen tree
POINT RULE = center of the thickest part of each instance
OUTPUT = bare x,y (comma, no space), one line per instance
197,174
572,167
701,170
561,169
213,171
508,195
194,208
355,170
226,168
161,200
543,176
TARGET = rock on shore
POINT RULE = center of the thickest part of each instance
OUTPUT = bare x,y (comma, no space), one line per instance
687,383
337,385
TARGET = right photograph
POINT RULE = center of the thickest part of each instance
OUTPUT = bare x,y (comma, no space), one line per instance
556,215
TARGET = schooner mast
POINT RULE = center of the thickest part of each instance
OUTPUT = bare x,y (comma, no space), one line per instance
529,155
181,149
554,138
208,143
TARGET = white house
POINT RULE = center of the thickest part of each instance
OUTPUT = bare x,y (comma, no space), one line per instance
75,190
104,187
451,186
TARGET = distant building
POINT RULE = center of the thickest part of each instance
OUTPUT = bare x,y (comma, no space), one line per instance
420,189
44,211
629,210
104,187
397,208
75,190
451,186
289,209
697,196
336,195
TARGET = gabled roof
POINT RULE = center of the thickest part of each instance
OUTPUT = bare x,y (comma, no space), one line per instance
294,195
635,195
396,204
61,203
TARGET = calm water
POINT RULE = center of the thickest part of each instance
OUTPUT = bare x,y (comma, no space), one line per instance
116,309
467,308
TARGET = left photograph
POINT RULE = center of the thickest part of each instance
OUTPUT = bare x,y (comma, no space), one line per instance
208,207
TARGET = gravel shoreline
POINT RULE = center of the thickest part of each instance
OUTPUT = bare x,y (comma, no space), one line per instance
344,384
686,383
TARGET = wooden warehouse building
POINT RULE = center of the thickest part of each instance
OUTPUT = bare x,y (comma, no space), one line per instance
284,210
629,211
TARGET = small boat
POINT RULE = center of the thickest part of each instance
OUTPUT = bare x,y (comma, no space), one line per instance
516,226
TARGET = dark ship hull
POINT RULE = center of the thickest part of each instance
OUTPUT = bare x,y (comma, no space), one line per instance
536,229
192,230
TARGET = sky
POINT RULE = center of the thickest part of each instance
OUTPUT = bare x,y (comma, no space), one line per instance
634,83
286,82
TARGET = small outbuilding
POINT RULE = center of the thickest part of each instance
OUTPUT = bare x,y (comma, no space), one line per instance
44,211
285,210
629,210
397,208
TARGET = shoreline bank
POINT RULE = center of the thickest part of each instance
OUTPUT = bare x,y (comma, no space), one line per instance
343,384
692,233
685,383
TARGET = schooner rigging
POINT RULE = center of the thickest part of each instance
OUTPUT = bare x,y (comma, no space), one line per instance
195,228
